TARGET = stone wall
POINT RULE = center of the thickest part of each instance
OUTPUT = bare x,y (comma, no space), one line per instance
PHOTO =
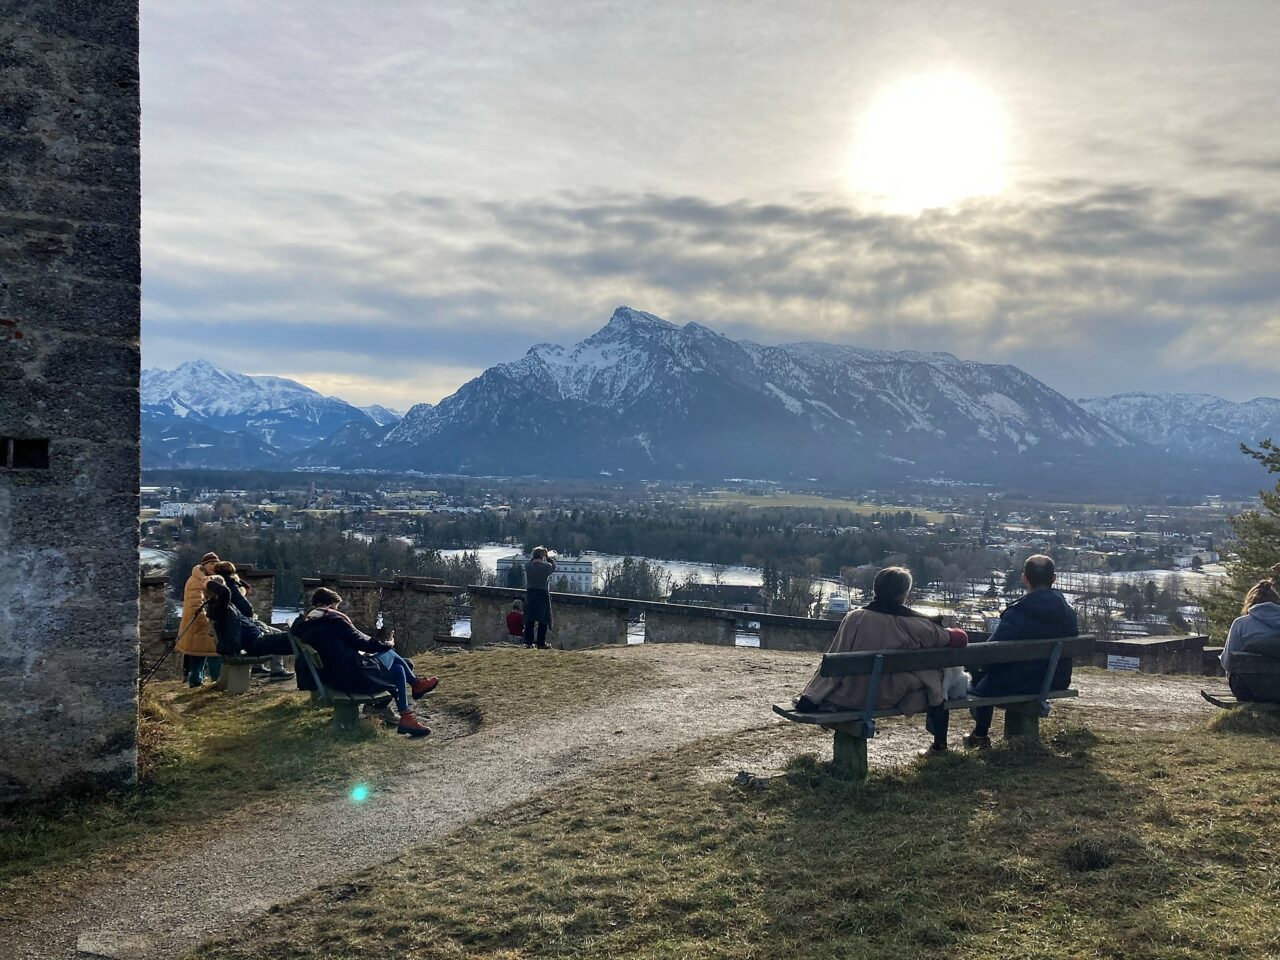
69,320
781,633
679,626
1152,654
577,626
420,612
488,617
153,639
262,588
361,597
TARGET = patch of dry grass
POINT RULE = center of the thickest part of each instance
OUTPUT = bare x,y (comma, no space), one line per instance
204,756
1101,843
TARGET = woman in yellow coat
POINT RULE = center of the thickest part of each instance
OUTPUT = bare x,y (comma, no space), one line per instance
196,642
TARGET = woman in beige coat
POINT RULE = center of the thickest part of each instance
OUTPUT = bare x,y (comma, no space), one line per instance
196,642
888,624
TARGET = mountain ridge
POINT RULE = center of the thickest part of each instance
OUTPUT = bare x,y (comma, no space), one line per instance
642,396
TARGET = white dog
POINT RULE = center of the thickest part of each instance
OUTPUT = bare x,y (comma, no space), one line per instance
955,683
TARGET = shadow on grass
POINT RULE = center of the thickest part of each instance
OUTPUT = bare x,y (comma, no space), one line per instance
963,852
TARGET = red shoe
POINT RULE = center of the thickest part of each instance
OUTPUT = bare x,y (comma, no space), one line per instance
423,685
410,726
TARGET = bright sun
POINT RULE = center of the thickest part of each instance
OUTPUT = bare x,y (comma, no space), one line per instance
928,142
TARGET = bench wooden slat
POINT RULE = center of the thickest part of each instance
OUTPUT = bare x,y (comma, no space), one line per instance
861,663
829,718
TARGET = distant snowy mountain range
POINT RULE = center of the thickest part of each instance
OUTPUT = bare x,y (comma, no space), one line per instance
646,398
200,415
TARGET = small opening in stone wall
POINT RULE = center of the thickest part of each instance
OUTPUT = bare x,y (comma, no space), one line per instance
24,453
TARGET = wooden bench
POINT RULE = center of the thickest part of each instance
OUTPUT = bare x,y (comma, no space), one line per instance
1260,672
346,706
237,673
853,728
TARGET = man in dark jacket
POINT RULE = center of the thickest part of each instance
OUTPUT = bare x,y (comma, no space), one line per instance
1043,614
354,662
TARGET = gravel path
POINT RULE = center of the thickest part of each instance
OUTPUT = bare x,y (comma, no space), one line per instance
220,882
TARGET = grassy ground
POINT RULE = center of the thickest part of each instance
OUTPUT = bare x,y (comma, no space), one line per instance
725,498
205,756
1097,844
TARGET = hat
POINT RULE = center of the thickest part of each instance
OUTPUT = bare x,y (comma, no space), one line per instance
209,557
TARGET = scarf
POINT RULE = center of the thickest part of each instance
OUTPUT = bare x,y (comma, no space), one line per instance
892,609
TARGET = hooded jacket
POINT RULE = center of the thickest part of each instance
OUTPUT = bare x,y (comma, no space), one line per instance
198,640
347,661
1042,614
1258,631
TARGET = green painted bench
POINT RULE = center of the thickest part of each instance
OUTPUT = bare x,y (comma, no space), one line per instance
346,706
853,728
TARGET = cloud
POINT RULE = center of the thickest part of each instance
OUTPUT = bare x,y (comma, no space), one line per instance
1101,288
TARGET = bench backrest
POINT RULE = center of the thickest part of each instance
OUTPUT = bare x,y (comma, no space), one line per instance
863,662
310,656
1255,663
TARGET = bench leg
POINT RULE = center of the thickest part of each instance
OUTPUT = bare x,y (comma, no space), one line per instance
1022,722
346,715
235,676
849,755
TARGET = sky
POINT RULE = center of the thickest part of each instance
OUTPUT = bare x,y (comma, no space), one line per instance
381,199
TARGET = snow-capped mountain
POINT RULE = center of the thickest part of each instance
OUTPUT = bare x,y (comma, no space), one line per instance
282,415
653,399
1189,424
383,416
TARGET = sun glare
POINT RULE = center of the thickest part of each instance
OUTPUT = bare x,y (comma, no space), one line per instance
928,142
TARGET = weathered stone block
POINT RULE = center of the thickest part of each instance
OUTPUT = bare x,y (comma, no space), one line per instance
774,636
661,626
488,619
576,626
69,600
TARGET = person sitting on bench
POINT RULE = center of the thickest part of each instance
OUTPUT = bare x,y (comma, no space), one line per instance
1256,630
238,635
887,624
240,600
354,662
1042,614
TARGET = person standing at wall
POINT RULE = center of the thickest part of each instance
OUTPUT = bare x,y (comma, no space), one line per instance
537,596
196,641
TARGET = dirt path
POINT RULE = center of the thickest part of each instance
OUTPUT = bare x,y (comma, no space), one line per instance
700,691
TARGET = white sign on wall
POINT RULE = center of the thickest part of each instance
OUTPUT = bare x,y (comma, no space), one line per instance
1122,663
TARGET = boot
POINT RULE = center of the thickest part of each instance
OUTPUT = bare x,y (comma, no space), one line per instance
410,726
422,686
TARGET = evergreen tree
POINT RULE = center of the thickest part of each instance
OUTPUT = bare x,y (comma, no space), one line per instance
1256,553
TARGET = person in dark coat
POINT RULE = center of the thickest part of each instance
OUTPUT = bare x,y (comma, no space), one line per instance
537,596
238,635
354,662
1043,614
240,600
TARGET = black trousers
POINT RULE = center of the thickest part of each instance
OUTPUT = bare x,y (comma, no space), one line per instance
936,721
537,613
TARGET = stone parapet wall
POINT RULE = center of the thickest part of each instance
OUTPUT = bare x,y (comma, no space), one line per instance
153,639
783,636
70,265
419,611
1152,654
575,627
362,597
678,626
262,589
